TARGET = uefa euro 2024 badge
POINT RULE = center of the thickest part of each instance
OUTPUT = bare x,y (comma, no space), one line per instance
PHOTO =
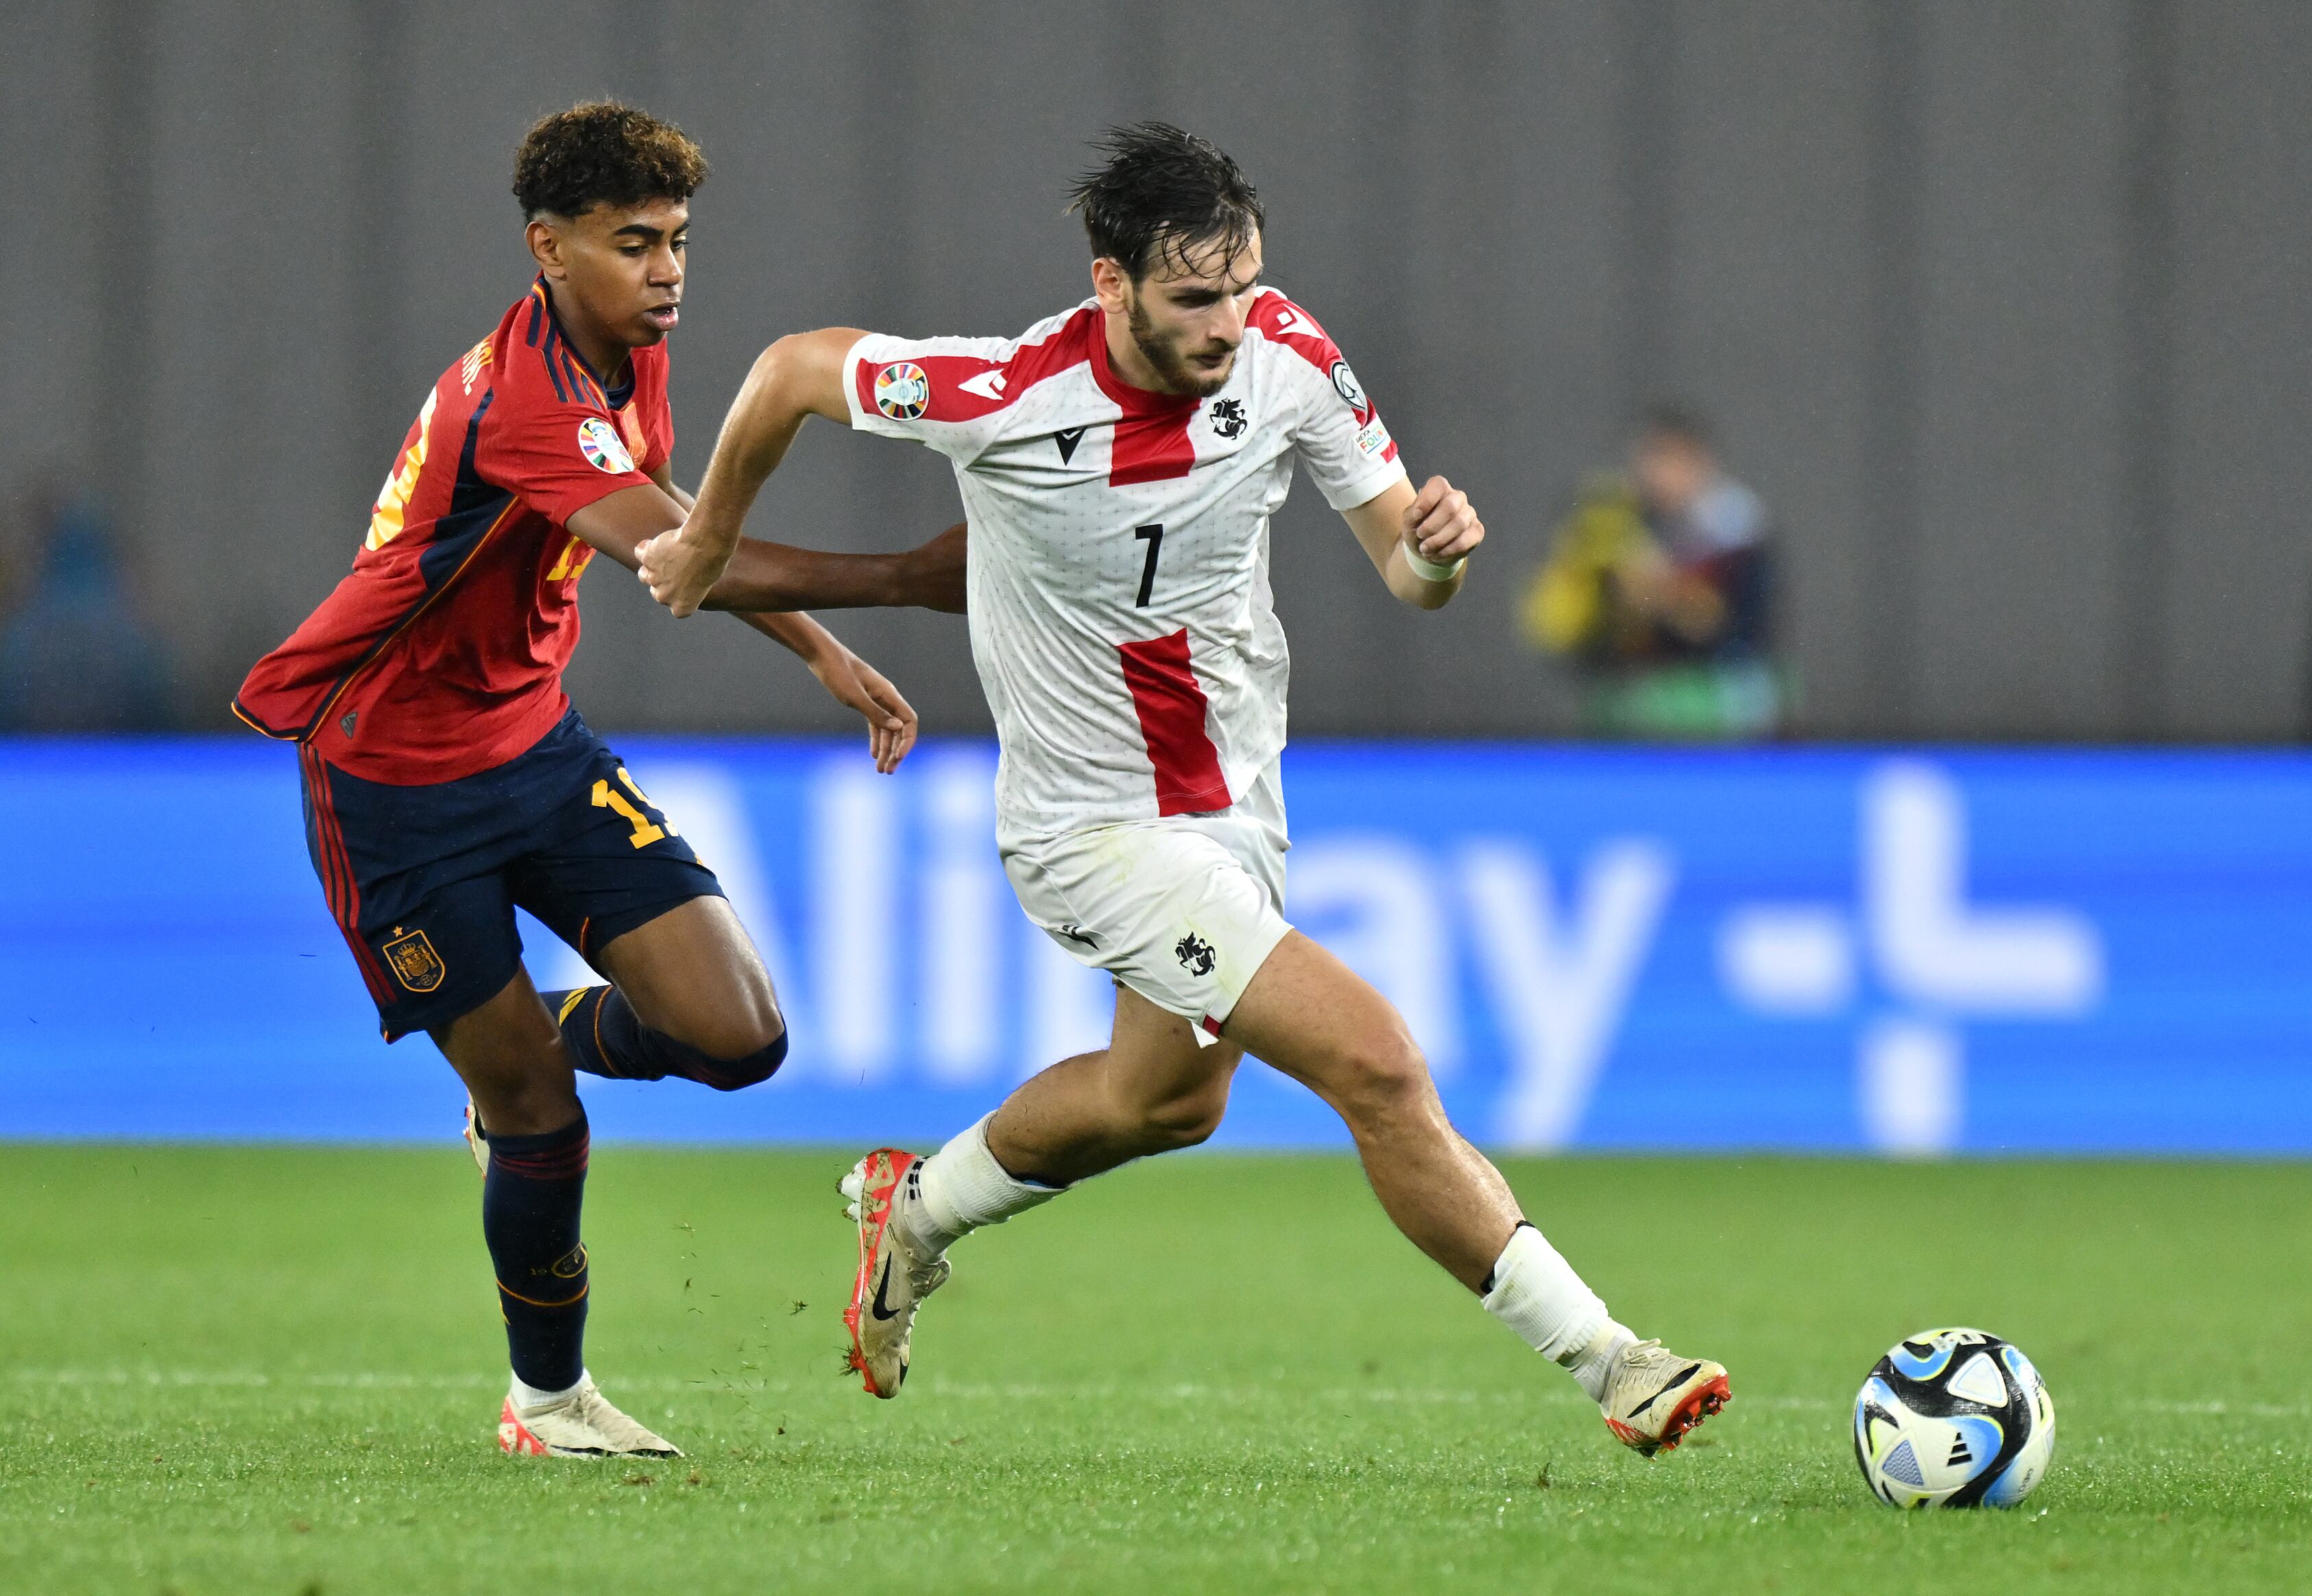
599,442
902,390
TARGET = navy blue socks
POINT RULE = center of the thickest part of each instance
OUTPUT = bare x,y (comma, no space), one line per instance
536,1186
604,1038
531,1203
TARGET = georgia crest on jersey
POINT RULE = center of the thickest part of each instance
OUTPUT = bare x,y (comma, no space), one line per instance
1120,610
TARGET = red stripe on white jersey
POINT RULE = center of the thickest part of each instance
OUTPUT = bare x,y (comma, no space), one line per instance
1284,323
1287,325
1151,443
1171,708
966,386
1152,449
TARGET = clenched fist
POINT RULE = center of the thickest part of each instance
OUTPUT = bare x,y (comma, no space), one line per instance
1440,526
680,567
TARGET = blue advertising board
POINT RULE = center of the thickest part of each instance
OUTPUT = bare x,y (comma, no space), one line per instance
1913,952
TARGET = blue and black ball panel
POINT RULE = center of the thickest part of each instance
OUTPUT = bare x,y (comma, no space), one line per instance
1979,1385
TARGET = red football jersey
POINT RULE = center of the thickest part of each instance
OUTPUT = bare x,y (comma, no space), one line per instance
442,654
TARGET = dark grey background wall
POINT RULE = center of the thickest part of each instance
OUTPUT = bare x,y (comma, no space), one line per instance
2001,306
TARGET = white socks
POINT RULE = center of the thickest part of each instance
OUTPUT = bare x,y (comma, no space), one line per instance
1591,1367
961,1187
1536,1294
528,1399
1535,1291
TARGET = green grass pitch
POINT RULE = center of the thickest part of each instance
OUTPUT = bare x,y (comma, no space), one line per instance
241,1370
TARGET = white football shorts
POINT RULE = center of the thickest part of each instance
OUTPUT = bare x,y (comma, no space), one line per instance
1183,909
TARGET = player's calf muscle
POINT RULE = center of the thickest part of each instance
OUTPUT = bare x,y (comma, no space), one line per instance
1143,1094
1138,1125
1185,1121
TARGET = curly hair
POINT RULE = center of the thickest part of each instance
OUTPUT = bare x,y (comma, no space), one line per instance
603,152
1163,193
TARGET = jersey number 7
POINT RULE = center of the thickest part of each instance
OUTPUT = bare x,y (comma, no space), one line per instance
1153,535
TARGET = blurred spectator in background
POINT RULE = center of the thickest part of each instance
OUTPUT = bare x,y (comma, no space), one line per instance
75,652
1658,587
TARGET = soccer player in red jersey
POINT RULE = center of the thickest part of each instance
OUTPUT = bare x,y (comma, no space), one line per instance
1119,462
447,779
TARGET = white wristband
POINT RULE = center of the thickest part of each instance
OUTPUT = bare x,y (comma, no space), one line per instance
1429,570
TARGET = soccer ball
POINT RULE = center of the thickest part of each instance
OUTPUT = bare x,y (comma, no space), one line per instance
1954,1418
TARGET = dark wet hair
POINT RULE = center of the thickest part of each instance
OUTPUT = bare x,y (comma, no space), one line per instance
602,153
1163,194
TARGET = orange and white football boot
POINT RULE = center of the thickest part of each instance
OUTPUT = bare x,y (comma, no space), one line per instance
893,1280
582,1424
1653,1396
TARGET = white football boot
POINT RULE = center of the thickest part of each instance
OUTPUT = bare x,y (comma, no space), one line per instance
1653,1396
892,1279
582,1424
477,1144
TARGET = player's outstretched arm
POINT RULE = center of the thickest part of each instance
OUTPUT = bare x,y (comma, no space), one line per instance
796,378
852,680
1420,543
779,576
620,523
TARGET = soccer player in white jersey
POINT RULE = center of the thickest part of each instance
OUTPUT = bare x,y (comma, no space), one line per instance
1119,465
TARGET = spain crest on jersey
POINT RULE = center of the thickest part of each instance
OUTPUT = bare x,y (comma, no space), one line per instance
902,390
414,963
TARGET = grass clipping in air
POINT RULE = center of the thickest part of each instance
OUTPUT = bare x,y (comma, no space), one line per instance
232,1371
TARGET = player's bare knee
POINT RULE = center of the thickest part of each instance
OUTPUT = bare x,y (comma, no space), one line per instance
734,1024
737,1036
1185,1121
1381,1081
522,1095
749,1055
516,1074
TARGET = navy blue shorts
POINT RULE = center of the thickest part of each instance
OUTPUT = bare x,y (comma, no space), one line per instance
424,881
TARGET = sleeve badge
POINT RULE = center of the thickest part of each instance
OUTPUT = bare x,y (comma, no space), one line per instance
902,390
599,442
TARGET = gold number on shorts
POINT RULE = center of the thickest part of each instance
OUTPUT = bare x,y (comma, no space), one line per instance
606,796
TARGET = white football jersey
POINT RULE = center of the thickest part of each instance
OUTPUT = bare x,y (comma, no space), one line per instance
1118,577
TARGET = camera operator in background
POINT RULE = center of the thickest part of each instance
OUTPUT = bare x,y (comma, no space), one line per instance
1658,587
